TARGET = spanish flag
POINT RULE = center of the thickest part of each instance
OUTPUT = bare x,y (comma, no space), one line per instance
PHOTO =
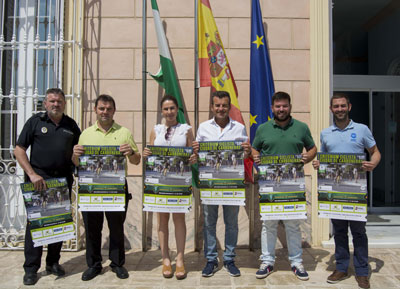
214,69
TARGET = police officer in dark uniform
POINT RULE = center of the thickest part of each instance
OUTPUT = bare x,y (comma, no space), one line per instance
51,136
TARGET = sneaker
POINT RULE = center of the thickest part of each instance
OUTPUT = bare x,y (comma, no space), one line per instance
210,268
264,271
336,277
231,268
300,272
363,282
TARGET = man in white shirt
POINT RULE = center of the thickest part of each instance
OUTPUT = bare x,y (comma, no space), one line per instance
221,128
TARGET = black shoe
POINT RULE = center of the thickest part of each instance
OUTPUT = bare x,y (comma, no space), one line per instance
30,278
121,272
90,273
55,269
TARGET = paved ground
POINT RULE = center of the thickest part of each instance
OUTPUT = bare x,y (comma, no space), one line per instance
145,271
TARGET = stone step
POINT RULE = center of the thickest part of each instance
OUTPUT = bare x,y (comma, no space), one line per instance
382,232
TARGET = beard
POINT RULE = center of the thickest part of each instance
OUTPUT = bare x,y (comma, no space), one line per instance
344,116
282,118
55,114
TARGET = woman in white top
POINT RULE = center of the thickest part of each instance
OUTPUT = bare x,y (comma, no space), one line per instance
171,133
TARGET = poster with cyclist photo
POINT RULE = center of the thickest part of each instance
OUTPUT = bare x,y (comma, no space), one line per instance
101,181
49,212
342,187
221,173
282,187
168,180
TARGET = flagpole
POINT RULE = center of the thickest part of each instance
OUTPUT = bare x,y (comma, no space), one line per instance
144,112
196,70
252,186
251,217
196,122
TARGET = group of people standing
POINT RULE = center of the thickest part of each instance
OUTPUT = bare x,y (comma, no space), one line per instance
56,144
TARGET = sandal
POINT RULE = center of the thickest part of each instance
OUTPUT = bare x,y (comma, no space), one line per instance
180,272
167,268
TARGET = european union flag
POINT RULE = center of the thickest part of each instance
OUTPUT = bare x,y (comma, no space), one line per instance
261,80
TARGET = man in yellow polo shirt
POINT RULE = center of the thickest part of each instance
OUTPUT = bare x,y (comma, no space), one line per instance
106,132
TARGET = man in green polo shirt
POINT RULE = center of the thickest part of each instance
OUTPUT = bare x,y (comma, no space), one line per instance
282,135
106,132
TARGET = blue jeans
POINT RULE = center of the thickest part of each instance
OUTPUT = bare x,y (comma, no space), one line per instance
360,244
231,231
268,241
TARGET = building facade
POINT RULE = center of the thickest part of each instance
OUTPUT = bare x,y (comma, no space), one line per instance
314,46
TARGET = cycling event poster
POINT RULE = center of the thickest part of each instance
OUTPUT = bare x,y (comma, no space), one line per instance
282,187
342,187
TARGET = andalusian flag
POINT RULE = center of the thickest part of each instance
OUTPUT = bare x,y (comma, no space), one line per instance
166,75
214,67
261,80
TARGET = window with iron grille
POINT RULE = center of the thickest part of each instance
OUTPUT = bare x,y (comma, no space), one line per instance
32,48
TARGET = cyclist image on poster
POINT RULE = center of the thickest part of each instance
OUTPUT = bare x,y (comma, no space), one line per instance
340,176
220,163
46,203
282,177
168,169
107,167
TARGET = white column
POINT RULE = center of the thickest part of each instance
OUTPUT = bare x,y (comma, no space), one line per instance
321,90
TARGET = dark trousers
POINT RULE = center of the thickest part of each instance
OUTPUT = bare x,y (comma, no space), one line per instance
360,244
33,256
93,226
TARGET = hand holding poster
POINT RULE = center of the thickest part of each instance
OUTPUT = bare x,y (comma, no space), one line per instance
221,173
102,171
342,187
168,180
282,188
49,212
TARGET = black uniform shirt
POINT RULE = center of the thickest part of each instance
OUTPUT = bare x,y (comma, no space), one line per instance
51,145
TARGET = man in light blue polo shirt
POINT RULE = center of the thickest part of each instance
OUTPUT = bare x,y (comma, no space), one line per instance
347,136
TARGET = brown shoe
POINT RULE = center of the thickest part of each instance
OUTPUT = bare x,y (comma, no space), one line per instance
336,277
180,272
167,271
363,282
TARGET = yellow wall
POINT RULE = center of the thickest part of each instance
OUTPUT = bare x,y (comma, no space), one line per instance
298,38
